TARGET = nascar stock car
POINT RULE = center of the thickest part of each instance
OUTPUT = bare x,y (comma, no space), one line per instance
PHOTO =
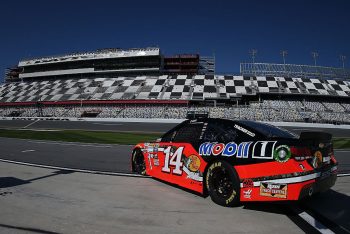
239,161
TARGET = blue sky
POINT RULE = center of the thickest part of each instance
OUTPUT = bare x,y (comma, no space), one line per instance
230,28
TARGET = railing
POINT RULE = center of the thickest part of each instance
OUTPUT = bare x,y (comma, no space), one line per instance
293,70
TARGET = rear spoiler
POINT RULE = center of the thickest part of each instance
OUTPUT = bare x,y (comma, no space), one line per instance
315,136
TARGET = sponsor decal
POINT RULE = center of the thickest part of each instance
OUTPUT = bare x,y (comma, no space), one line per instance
263,149
155,160
193,163
317,160
334,170
282,153
247,193
258,150
243,149
175,162
218,148
247,183
203,130
318,155
197,176
244,130
326,159
227,150
152,150
273,190
302,158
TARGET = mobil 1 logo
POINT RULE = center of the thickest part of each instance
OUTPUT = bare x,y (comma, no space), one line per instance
263,149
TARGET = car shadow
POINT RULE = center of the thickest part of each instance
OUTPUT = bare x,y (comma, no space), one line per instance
331,209
330,206
8,182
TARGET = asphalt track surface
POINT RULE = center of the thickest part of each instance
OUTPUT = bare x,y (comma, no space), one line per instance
109,158
88,203
38,200
130,127
82,125
96,157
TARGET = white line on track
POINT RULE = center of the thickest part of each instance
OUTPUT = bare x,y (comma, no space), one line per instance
106,124
31,123
73,170
315,223
341,150
43,130
71,144
343,175
29,150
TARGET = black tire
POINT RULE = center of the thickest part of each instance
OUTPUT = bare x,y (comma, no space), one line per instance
138,162
222,184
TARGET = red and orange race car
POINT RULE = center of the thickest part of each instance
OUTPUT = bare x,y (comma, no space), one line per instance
239,161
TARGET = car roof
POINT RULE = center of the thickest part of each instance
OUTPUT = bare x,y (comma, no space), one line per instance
265,129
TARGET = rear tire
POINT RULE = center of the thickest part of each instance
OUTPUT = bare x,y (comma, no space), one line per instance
138,162
222,184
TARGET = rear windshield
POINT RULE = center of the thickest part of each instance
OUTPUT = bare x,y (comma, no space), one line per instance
269,130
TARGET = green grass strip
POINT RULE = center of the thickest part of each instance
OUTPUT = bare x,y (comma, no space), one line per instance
125,138
341,143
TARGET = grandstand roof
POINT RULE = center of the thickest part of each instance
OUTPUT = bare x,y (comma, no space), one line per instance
98,54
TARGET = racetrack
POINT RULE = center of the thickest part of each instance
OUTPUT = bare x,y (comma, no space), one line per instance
85,125
97,157
40,200
130,126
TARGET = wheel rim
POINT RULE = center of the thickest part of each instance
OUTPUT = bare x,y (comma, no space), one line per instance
221,183
139,163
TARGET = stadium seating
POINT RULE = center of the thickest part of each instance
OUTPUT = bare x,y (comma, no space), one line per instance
179,112
181,87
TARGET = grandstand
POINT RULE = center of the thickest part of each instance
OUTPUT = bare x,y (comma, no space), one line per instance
113,62
142,83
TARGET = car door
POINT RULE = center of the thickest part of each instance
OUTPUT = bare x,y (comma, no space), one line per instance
178,161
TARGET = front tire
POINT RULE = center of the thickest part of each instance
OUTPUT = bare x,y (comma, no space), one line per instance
138,162
222,184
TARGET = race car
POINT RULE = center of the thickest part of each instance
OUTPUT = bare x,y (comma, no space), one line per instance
239,161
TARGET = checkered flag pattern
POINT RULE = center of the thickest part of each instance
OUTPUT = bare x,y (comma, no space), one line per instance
166,87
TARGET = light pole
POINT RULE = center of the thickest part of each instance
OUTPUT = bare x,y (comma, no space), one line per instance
342,59
253,53
284,53
314,55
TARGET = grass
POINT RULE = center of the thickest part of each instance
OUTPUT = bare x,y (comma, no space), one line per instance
341,143
126,138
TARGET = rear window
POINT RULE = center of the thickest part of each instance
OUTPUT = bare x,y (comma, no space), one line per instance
269,130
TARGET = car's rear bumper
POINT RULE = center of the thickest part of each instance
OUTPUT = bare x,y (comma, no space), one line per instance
320,185
289,188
